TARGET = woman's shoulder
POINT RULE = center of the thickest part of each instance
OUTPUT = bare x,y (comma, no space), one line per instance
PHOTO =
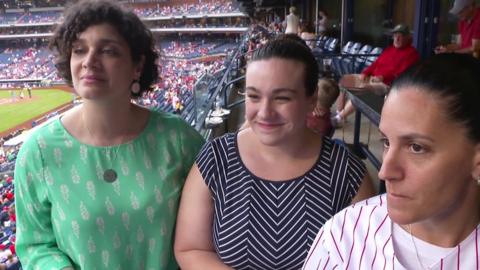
175,128
165,118
375,208
163,121
337,149
39,140
225,142
46,131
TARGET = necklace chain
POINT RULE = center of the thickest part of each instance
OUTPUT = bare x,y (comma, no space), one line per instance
109,174
416,249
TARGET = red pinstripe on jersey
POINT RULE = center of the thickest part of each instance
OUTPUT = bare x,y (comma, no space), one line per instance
476,247
375,235
353,233
366,237
336,246
360,237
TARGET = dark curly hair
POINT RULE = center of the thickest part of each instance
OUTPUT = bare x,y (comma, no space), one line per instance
86,13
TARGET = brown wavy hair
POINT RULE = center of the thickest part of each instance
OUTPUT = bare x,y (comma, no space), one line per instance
86,13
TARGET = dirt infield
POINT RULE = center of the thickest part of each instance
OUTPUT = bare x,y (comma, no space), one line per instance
28,124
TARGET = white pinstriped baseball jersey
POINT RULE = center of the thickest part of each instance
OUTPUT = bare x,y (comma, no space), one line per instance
360,237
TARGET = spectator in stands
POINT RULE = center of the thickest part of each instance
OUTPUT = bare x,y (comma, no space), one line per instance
253,198
430,216
5,254
468,27
113,171
292,22
319,120
322,23
394,60
11,260
307,33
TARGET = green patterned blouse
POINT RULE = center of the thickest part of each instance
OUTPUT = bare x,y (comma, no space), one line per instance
69,215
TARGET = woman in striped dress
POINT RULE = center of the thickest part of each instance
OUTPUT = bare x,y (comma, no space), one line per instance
256,198
429,217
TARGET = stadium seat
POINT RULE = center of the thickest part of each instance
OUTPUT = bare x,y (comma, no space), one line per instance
347,63
336,61
359,63
374,55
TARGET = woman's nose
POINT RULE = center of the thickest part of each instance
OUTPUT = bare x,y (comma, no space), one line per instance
90,60
266,108
391,165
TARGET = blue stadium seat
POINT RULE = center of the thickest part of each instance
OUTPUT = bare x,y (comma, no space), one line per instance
374,55
347,63
321,41
359,64
336,61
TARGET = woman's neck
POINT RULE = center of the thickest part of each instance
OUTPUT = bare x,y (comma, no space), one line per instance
298,148
451,228
282,161
106,126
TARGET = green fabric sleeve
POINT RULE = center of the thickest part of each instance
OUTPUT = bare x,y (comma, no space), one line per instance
35,244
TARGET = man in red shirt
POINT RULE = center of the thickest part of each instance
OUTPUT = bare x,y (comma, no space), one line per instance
468,27
394,60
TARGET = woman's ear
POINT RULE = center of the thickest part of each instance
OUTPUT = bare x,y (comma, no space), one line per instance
476,163
313,100
139,67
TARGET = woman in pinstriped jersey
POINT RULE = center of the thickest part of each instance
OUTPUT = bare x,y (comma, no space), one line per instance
429,217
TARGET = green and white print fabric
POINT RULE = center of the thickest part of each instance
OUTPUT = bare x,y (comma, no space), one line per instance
68,215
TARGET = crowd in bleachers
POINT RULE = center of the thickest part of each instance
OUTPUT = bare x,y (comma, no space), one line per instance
179,73
7,158
50,16
192,49
212,7
25,30
39,17
8,258
25,63
201,22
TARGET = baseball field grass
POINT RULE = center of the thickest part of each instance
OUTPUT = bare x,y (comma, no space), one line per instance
42,101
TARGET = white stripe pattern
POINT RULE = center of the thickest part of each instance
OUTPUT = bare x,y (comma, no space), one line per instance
260,224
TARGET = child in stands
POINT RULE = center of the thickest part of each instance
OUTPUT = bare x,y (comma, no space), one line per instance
319,120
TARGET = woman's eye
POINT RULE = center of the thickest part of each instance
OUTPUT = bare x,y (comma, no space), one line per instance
282,98
77,50
109,51
385,142
253,97
417,148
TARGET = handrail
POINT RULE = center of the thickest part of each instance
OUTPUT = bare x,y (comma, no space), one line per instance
225,98
200,121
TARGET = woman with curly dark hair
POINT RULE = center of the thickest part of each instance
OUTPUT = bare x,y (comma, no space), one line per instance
98,188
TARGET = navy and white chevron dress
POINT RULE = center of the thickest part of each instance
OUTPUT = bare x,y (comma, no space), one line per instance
261,224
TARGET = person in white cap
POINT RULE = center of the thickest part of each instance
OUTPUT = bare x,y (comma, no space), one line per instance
468,28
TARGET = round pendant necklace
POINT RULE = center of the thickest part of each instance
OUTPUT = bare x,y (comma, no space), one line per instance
109,175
